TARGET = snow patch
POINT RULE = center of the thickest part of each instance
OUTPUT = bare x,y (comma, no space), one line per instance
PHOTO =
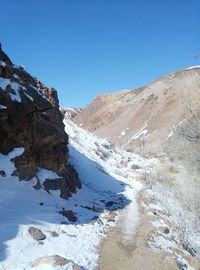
5,164
15,76
2,64
140,134
39,91
14,86
171,133
44,174
123,133
183,264
70,109
192,67
2,107
28,96
159,223
161,242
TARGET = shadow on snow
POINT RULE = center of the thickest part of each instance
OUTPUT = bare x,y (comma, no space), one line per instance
20,204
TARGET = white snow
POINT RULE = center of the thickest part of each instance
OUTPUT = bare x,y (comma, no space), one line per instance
96,149
107,186
5,163
159,223
4,83
171,133
15,76
44,174
130,217
14,86
2,107
140,134
28,96
39,91
156,207
183,264
173,129
192,67
70,111
20,208
2,64
123,133
161,242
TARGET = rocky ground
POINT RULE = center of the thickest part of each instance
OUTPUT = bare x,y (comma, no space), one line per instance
158,242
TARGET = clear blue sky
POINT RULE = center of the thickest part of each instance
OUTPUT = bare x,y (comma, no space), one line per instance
86,47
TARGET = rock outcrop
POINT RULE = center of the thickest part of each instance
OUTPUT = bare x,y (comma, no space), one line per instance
36,234
30,118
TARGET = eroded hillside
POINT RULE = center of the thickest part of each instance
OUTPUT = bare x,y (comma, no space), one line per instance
132,118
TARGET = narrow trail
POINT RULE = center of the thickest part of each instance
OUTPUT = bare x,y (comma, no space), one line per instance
117,254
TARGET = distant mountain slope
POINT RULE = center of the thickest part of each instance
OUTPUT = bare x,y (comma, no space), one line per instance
145,115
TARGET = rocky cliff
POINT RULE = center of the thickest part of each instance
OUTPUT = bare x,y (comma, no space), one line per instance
30,118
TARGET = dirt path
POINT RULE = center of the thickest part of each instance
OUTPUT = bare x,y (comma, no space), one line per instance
136,255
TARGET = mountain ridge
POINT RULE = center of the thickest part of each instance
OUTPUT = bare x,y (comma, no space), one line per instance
153,109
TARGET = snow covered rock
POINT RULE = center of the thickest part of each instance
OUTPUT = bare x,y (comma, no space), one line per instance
31,119
36,234
55,260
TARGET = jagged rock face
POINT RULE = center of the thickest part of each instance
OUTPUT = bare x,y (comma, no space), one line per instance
30,117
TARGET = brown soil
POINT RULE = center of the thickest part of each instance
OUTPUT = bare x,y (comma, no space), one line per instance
115,255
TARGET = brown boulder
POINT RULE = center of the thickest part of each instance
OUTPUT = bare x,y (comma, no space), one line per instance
36,234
